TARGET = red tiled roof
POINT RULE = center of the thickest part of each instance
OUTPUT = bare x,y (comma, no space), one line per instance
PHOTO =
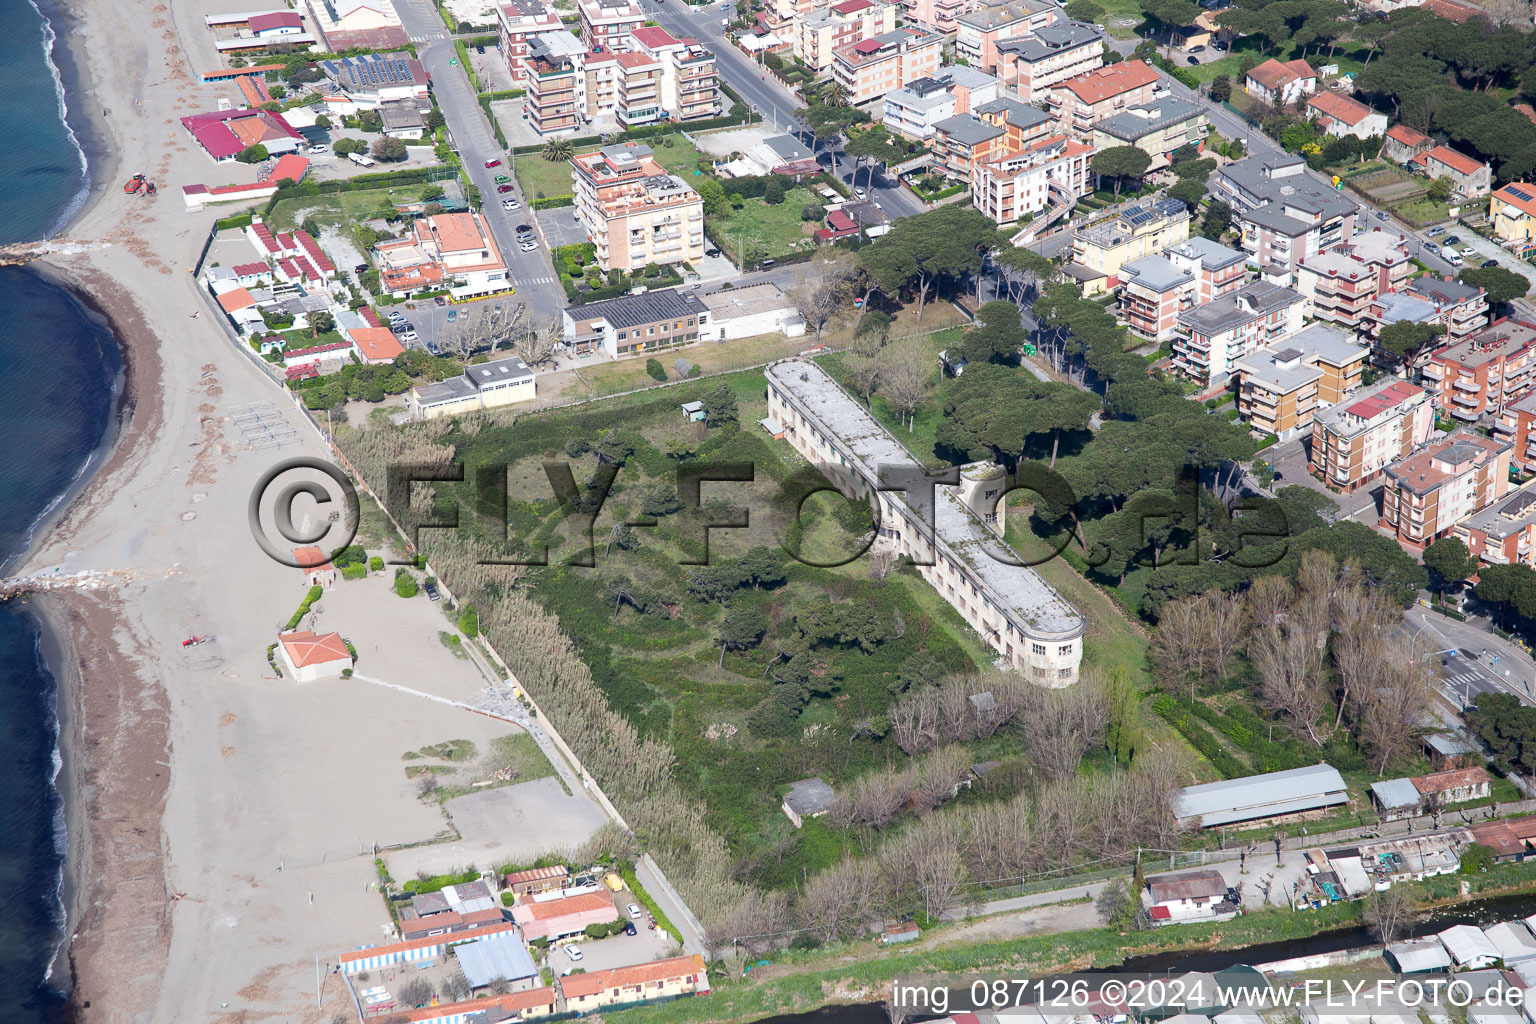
1111,80
1453,10
577,985
376,343
250,269
852,6
1456,778
306,648
367,313
532,999
837,220
414,927
319,350
1406,135
214,133
537,874
1382,401
289,165
653,36
1459,162
543,910
236,298
253,89
1341,108
1523,202
275,19
1272,74
866,46
311,558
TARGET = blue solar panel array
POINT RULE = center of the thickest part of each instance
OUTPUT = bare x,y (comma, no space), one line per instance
372,69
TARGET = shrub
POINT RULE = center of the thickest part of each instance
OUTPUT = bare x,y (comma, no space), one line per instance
469,622
375,564
309,599
654,368
405,583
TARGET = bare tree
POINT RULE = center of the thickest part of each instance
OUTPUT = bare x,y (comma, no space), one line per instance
1388,913
537,344
753,924
1289,664
1178,646
844,899
906,377
487,327
996,838
1362,619
1266,598
1226,628
1060,726
1391,704
922,867
826,290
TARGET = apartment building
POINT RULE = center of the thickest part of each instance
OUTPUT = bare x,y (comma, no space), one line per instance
1353,442
551,76
1491,369
632,324
657,78
690,84
1341,284
606,24
1028,623
455,250
1517,422
1426,494
1154,290
1022,181
1512,212
1030,65
1279,83
1463,308
1504,534
1157,129
819,33
870,68
1284,213
978,33
912,111
1080,102
1131,234
1471,178
1209,338
517,23
1340,116
1281,387
634,211
995,127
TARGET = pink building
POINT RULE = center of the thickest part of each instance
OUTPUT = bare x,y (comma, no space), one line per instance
517,21
568,915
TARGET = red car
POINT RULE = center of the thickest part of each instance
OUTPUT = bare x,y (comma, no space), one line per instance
493,163
503,188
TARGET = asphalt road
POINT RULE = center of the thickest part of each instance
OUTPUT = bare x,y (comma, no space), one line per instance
532,273
1478,662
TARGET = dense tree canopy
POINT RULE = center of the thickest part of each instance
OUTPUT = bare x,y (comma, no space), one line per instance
1501,285
997,409
930,251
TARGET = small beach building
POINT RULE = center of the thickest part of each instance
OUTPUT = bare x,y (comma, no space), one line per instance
1416,956
562,916
499,957
1514,941
1468,946
310,656
317,569
538,879
808,798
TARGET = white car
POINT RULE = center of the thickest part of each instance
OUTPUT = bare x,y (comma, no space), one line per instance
1453,259
529,246
1468,252
574,952
511,204
859,193
634,910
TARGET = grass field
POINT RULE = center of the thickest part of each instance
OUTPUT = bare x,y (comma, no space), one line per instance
778,229
541,177
340,207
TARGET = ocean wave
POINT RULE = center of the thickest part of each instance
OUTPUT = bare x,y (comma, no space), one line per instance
75,204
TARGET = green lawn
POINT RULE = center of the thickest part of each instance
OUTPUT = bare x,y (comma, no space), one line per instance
1229,66
541,177
1121,11
920,439
340,207
1423,212
778,229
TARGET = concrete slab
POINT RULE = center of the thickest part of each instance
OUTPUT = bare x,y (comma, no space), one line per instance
561,227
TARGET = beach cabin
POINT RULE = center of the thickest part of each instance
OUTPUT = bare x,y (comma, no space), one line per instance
1417,956
899,934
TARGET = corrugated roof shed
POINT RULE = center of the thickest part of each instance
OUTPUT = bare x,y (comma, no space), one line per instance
1391,794
1261,796
1513,939
494,958
1193,885
1420,955
1468,946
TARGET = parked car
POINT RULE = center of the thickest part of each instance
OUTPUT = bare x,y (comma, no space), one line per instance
527,245
1453,240
1453,259
438,300
1431,246
1197,49
453,315
634,910
361,268
629,929
493,163
574,952
1469,252
711,252
1193,59
511,204
503,188
524,229
859,193
1432,232
1490,263
502,179
432,593
479,49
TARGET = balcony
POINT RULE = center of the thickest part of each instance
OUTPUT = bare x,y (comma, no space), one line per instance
1467,415
1464,400
1503,427
1468,384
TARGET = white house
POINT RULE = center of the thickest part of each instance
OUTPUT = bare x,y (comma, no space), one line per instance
310,656
1280,83
1340,116
747,312
1193,896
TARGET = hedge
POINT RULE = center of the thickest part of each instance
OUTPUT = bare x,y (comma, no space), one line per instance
239,221
310,598
554,202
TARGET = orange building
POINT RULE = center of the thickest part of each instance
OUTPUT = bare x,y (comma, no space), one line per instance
635,212
1080,102
870,68
1433,489
1483,374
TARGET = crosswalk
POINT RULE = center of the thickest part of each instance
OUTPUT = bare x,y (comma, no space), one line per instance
546,279
1464,678
430,37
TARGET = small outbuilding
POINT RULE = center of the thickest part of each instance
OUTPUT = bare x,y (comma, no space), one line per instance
1513,940
1396,798
310,656
693,412
808,798
1469,947
1417,956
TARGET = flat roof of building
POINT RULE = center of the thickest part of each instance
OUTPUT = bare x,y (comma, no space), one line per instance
1252,300
1292,362
1515,513
1017,590
1156,273
1491,343
636,310
730,303
1262,796
1143,120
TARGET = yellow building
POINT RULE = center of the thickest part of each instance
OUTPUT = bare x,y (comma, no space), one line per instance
1099,251
483,386
635,212
1512,211
660,979
1157,129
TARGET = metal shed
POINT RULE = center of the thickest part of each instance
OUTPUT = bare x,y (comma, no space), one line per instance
1261,796
1468,946
494,958
1513,939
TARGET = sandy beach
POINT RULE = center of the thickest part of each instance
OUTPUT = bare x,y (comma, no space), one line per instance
221,821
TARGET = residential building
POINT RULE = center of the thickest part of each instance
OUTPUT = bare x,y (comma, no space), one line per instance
872,67
1205,30
912,111
631,324
1285,214
821,32
1340,116
978,32
1397,798
1154,290
344,24
317,569
1209,338
1191,896
529,1005
1517,422
1341,283
1512,212
225,134
1428,492
401,120
455,250
1456,786
1505,533
1029,624
690,87
563,915
1080,102
808,798
1281,387
1402,144
517,23
1471,178
634,211
1131,234
626,85
1491,369
1461,307
1157,129
375,345
1053,171
606,24
370,80
1353,442
1278,796
482,386
749,312
551,78
535,880
308,656
995,127
1278,84
624,986
1033,64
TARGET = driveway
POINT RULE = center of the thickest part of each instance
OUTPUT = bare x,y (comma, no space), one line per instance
1289,458
560,226
1488,250
615,951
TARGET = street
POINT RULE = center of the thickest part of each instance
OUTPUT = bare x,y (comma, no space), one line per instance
1477,662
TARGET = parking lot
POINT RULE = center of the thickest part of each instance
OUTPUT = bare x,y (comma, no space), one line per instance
615,951
1484,249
